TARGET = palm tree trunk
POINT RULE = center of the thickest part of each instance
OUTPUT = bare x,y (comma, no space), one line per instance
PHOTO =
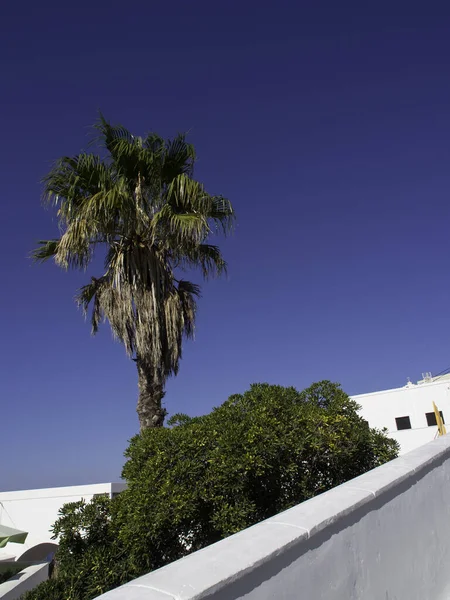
151,392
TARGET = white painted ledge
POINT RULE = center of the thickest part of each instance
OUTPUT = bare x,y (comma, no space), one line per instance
24,581
382,536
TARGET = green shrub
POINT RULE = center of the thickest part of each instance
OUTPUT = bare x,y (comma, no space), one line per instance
89,556
257,454
89,561
52,589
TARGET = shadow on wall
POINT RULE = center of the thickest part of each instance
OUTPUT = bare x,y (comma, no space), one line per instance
41,552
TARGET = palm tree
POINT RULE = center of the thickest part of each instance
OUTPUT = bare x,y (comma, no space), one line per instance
139,202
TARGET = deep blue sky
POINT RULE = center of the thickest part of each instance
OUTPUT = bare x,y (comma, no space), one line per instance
328,126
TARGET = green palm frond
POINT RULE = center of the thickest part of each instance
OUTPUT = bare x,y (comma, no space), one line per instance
73,179
179,159
207,257
109,207
188,194
187,287
155,144
132,158
47,249
177,229
109,134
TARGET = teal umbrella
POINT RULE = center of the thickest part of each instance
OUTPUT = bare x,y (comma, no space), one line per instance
8,534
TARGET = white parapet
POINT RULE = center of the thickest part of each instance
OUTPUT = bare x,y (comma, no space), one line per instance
24,581
382,536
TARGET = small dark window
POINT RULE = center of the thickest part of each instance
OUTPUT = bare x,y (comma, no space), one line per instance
403,423
431,418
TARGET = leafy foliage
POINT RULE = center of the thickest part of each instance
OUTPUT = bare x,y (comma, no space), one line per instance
88,556
258,454
207,477
89,561
52,589
138,202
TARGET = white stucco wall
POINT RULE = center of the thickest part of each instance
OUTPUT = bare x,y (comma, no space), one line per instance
35,511
23,582
382,536
380,409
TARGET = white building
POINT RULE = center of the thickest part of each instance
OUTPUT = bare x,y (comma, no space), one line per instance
407,412
35,511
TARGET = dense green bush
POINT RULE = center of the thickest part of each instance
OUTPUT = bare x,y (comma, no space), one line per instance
89,560
205,478
256,455
53,589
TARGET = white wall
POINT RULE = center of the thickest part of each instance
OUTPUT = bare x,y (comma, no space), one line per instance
381,408
35,511
382,536
24,581
410,439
